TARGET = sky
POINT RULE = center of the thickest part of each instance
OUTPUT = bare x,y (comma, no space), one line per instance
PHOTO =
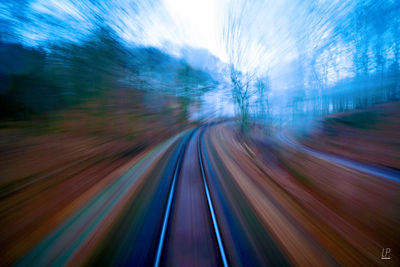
265,37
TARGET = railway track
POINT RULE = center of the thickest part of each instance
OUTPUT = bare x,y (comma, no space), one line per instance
189,196
169,204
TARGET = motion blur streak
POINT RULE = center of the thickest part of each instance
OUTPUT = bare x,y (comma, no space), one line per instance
199,133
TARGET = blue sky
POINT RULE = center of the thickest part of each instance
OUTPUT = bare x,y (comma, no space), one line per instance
274,38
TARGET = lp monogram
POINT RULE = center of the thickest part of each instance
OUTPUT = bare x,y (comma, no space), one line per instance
385,254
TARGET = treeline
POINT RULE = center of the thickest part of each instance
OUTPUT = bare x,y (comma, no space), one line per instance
36,81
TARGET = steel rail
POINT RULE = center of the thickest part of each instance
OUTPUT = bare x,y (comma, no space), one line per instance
210,205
